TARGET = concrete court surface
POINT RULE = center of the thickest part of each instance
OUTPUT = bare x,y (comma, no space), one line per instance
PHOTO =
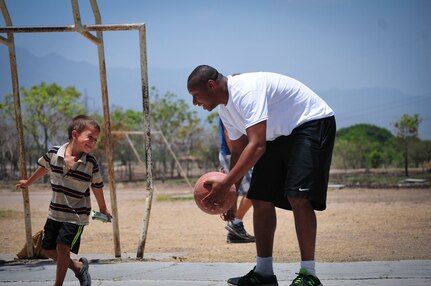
132,272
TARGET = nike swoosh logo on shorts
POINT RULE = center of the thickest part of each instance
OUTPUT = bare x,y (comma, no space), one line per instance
303,190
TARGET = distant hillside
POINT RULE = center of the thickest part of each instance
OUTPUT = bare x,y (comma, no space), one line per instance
365,132
378,106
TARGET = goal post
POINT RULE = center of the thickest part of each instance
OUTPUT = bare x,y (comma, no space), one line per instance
87,31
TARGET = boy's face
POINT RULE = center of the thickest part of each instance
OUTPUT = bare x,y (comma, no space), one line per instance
86,140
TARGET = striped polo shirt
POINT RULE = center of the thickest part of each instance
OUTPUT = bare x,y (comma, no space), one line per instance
70,200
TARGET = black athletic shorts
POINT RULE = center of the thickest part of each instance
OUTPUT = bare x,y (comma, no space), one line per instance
296,165
56,232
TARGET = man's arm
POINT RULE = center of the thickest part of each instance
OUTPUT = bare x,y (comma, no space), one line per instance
246,151
240,144
237,145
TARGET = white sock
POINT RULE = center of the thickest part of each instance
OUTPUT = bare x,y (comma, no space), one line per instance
236,221
310,266
264,266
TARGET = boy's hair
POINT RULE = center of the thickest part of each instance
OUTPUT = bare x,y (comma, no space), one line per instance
80,123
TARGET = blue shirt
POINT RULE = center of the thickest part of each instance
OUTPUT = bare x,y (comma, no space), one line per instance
224,149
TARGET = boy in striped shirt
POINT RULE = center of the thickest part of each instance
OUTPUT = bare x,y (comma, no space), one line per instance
72,170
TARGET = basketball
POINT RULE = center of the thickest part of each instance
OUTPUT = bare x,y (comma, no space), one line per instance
201,190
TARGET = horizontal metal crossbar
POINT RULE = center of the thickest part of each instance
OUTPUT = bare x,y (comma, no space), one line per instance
72,28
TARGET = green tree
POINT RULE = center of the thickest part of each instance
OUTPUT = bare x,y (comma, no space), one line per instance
46,111
346,154
180,127
420,152
212,118
128,120
407,128
361,142
390,154
8,147
189,135
376,158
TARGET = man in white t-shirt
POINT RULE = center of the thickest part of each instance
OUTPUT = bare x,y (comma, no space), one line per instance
286,132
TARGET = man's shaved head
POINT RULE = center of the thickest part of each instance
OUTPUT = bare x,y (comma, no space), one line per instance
202,74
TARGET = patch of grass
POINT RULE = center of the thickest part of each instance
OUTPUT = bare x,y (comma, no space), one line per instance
4,213
9,185
164,198
374,179
15,190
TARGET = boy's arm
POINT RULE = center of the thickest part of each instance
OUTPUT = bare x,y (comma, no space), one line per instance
40,172
98,193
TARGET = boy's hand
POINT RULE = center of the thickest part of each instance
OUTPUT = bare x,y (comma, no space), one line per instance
40,172
107,213
22,184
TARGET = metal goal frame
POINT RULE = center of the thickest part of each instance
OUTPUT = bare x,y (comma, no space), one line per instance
97,39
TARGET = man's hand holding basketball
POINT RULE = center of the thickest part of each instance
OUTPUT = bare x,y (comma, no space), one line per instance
218,191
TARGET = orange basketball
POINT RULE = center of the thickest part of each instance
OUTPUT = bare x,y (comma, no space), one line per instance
201,190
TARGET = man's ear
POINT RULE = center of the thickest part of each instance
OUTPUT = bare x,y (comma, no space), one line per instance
211,84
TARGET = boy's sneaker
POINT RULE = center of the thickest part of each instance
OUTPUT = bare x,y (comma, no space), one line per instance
83,274
253,278
238,229
233,238
305,279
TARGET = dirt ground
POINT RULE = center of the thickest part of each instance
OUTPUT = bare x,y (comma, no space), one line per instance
359,225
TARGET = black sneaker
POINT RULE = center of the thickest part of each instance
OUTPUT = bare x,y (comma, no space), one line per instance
238,229
305,279
253,278
83,274
233,238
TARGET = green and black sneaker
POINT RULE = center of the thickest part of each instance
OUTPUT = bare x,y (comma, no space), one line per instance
305,279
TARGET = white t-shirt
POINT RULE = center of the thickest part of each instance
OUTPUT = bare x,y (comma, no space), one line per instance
283,102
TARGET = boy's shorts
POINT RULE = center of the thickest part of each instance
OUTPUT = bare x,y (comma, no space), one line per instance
56,232
296,166
246,180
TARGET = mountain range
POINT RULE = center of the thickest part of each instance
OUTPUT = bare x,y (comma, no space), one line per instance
378,106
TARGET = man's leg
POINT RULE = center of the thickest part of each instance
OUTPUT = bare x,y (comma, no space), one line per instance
265,223
306,229
305,225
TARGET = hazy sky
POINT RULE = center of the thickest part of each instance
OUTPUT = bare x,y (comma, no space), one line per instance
327,44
